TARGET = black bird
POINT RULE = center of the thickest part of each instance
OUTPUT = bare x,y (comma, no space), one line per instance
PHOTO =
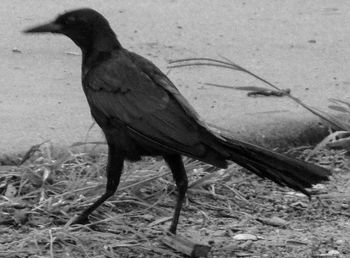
142,113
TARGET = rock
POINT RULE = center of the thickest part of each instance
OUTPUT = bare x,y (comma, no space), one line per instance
245,237
273,221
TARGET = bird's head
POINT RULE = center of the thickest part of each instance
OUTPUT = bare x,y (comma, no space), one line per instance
86,27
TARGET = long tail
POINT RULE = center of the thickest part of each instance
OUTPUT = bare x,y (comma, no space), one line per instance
283,170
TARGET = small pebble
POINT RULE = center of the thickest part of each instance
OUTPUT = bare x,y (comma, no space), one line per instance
16,50
219,233
203,232
243,237
339,242
333,253
345,206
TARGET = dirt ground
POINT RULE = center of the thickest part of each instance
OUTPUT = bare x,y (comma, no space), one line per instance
301,45
235,213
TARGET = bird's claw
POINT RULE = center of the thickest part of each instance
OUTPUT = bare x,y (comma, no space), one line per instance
80,220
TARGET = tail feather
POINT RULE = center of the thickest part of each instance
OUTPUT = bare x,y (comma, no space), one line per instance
283,170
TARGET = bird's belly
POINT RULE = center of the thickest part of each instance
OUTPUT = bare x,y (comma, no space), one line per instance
131,145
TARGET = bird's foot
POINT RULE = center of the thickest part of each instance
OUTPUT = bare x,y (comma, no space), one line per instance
172,231
81,220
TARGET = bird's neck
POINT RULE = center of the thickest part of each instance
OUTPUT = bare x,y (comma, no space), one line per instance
99,49
105,41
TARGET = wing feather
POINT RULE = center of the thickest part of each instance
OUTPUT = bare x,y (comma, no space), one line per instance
119,90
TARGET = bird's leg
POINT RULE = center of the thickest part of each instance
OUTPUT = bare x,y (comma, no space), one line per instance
179,174
114,170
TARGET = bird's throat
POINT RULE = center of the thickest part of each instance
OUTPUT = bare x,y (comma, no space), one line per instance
99,50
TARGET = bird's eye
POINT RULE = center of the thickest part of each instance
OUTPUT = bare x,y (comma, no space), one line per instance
70,20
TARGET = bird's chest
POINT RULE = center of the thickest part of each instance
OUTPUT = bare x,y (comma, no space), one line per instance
84,72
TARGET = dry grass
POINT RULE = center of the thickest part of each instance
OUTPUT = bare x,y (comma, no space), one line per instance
39,197
225,63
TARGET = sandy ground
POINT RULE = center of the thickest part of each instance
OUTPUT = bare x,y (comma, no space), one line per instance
302,45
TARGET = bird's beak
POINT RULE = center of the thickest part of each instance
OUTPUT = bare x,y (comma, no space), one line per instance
48,27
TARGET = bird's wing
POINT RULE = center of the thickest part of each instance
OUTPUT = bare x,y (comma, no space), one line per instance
159,78
120,90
